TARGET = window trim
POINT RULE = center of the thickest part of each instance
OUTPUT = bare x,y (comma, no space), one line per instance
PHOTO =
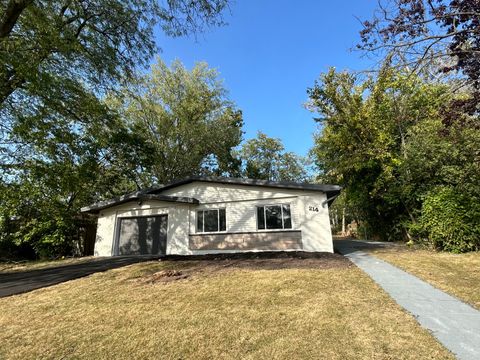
197,231
265,217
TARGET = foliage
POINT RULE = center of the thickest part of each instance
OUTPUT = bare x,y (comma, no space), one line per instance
419,33
451,220
172,123
60,143
180,124
439,41
90,43
40,205
265,158
58,58
344,209
384,140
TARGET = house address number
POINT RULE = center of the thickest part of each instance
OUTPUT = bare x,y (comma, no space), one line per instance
313,208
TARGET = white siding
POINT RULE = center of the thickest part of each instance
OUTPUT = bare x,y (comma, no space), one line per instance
240,203
177,230
105,231
315,226
213,193
241,216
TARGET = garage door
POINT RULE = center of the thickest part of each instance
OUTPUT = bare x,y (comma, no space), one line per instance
145,235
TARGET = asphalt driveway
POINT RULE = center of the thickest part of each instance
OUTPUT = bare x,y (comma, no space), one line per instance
19,282
347,246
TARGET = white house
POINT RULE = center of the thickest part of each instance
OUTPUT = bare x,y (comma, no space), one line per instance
202,215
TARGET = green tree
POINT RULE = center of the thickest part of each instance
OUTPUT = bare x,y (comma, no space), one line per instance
90,43
182,122
385,141
58,58
439,37
171,123
265,158
59,140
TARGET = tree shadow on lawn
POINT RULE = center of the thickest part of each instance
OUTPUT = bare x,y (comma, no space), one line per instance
346,245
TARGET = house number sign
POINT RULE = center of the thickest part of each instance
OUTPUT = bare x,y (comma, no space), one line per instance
313,208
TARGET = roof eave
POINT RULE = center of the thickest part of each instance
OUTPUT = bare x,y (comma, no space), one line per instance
96,208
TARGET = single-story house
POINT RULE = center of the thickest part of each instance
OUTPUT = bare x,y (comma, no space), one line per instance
202,215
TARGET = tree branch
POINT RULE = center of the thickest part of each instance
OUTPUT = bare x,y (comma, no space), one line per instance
12,13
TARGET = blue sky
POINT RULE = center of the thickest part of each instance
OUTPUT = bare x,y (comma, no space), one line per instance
270,52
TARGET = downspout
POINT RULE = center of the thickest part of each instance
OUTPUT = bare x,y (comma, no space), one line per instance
325,202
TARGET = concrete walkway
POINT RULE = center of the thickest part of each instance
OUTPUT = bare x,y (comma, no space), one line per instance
12,283
455,324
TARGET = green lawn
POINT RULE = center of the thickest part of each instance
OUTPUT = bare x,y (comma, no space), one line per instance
289,309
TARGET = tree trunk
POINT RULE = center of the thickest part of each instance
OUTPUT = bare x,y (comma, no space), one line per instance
343,222
11,15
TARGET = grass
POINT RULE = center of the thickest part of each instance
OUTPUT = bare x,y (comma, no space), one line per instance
456,274
13,266
214,310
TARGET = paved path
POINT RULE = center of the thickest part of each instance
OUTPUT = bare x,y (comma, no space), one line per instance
455,324
22,281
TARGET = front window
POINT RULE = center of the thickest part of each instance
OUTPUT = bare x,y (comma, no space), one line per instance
274,217
211,220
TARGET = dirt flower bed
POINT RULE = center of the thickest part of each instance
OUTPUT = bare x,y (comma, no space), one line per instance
174,268
268,260
163,276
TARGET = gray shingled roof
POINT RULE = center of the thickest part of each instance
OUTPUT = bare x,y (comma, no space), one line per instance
140,196
327,188
154,193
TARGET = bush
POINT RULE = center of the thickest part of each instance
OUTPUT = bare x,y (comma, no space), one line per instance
38,237
450,220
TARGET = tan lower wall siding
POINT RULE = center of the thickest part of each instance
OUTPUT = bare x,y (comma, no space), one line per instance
278,240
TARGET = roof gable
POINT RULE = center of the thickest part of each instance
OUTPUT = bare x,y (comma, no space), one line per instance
155,193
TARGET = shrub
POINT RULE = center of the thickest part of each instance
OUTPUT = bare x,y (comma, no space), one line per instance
450,220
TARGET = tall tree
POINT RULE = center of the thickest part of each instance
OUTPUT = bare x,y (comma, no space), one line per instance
384,140
362,140
58,60
265,158
419,33
92,41
183,124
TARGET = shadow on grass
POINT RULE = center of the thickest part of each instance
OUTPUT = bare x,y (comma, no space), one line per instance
12,283
348,245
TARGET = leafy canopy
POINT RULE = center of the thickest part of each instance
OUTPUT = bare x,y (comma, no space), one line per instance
265,158
417,34
59,140
178,123
59,58
384,139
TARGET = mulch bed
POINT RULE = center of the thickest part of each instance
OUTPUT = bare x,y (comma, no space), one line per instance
268,260
193,266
